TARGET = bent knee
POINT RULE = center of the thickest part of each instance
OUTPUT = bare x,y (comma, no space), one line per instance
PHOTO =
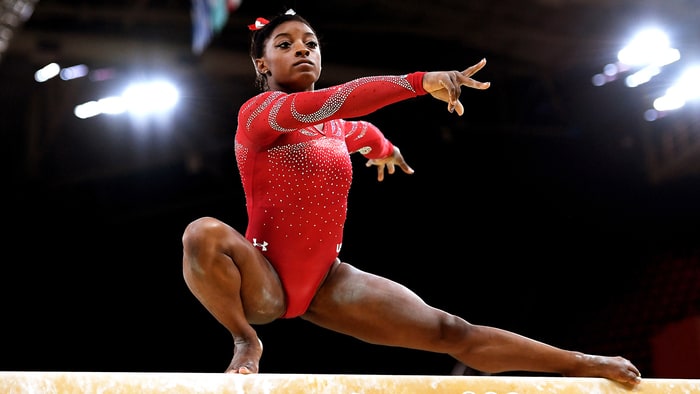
203,231
207,236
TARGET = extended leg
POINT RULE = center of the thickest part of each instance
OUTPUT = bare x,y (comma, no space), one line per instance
380,311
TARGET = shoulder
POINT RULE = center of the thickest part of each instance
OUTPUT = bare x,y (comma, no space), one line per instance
264,97
259,102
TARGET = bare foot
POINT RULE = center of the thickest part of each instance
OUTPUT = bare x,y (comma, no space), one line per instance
246,356
617,368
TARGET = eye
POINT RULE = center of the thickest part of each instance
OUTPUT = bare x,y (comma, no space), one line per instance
312,44
284,45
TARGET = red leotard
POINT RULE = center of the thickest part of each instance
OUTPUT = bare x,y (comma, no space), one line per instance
296,178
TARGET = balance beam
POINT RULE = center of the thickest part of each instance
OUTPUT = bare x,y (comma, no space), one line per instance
219,383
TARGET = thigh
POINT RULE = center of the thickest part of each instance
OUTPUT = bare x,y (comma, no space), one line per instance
262,293
220,264
378,310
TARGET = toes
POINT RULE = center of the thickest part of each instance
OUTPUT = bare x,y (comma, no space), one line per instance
244,371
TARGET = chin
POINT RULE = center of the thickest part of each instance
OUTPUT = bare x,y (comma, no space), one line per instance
304,82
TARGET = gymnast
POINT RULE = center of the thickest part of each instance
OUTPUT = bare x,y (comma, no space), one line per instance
293,147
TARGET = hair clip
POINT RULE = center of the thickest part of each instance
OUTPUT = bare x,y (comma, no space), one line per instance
259,24
290,12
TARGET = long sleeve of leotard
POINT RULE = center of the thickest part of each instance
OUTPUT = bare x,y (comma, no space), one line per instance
365,138
281,112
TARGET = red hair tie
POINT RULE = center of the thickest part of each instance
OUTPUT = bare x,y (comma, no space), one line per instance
259,24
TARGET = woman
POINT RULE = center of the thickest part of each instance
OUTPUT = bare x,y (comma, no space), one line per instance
293,150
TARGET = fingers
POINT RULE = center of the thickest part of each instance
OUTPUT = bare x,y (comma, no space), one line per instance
449,86
388,167
406,168
401,162
454,90
459,108
391,169
473,69
450,95
380,168
468,81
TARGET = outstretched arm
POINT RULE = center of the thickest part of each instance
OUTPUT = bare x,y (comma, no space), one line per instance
447,85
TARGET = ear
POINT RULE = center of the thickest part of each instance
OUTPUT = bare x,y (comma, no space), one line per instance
260,66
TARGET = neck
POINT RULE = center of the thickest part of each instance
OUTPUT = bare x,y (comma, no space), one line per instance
273,86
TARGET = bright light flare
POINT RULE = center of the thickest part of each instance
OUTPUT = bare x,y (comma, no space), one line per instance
648,52
645,48
150,97
685,89
139,99
47,72
73,72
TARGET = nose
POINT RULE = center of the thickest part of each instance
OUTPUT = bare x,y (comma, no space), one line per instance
302,51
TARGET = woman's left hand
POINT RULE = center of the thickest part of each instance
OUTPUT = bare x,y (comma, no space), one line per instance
390,163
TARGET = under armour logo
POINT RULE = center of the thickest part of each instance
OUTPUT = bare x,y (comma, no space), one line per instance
263,246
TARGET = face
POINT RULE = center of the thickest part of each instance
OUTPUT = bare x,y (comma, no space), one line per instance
292,58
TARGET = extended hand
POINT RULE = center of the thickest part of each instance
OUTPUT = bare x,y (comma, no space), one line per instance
447,85
390,162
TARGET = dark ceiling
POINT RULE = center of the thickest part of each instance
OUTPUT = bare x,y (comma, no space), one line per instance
541,52
547,35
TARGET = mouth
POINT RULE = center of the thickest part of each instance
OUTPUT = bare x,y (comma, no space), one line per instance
303,62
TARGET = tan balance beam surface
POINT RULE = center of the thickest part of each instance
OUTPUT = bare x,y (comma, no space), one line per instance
35,382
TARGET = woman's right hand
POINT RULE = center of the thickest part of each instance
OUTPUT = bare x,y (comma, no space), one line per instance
447,85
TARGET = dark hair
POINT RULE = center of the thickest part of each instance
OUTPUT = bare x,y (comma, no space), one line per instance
258,38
